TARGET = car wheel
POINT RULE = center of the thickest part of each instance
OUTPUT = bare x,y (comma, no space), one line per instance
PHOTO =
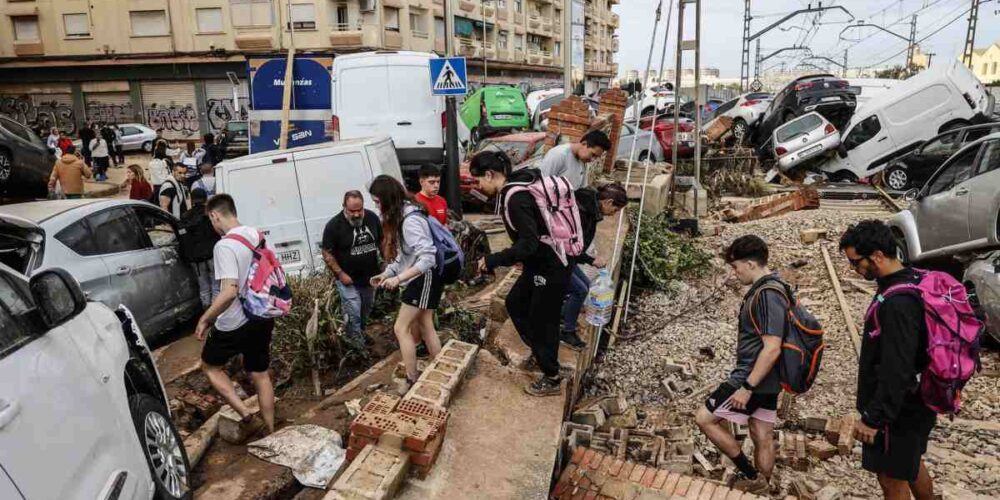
6,165
843,176
740,129
147,146
643,155
162,446
902,247
648,112
897,178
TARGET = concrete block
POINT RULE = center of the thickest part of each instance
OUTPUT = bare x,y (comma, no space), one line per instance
821,449
812,235
815,424
675,433
375,474
430,393
615,405
231,427
458,352
627,420
593,417
447,380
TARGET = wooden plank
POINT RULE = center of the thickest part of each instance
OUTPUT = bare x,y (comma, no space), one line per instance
852,329
286,98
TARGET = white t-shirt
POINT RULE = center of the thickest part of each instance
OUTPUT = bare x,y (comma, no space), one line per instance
232,261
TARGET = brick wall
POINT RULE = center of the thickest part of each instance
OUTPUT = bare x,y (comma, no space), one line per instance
570,119
613,103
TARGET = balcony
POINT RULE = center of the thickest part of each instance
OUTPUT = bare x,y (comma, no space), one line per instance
468,47
614,20
614,44
535,21
466,6
347,35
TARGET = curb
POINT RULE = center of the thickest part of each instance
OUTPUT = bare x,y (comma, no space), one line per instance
107,189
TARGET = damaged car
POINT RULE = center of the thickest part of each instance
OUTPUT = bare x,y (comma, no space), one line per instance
915,167
826,94
120,251
802,139
982,279
745,110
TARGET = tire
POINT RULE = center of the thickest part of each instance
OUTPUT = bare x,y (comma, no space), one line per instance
740,130
902,247
6,166
649,111
643,155
162,446
897,178
843,176
952,126
147,146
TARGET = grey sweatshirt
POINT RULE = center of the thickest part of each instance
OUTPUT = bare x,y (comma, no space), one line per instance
416,247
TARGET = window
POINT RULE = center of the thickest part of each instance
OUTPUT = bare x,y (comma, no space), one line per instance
148,22
78,238
862,132
26,28
502,39
994,68
518,42
303,16
954,173
502,4
115,231
534,42
418,22
15,332
391,19
990,160
76,25
519,6
339,15
209,20
439,30
798,127
251,12
944,145
158,227
558,49
130,131
15,128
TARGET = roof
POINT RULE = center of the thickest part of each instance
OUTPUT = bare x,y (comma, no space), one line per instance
40,211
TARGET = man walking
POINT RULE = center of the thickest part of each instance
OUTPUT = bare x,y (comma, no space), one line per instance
570,160
351,241
750,394
197,239
233,332
69,171
87,134
430,185
895,423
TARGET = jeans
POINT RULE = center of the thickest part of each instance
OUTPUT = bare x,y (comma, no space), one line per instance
533,305
576,293
357,301
208,286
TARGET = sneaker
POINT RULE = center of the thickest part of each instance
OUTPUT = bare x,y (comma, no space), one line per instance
545,386
758,486
572,340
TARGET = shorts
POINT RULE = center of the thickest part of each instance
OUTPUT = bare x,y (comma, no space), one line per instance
424,291
762,407
252,340
899,447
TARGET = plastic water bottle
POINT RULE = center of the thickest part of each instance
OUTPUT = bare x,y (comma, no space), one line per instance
601,300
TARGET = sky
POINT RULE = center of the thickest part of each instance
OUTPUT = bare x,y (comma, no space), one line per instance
722,30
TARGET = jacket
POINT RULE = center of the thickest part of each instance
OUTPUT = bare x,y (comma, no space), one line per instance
140,190
590,215
889,363
416,247
99,147
69,171
524,228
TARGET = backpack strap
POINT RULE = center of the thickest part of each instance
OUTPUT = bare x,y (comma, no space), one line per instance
770,284
244,241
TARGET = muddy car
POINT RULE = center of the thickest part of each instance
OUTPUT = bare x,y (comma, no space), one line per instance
803,139
120,251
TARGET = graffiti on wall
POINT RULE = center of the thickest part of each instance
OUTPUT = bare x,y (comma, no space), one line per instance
177,121
221,111
102,112
38,112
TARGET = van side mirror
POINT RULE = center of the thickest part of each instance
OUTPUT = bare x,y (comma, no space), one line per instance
58,297
911,195
842,150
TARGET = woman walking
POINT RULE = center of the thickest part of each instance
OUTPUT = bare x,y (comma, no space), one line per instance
409,248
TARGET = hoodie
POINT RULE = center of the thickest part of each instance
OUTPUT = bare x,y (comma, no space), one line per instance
69,171
416,247
524,227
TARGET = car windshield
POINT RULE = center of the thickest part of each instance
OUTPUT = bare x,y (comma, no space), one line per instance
517,151
795,128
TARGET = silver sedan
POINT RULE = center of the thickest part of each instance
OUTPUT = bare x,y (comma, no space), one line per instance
958,209
136,136
120,251
982,277
646,144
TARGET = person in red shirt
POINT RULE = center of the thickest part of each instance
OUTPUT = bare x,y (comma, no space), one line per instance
430,184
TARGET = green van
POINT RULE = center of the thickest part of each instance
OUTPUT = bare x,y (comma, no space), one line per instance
505,108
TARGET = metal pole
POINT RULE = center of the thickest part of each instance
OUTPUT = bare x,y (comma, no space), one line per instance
482,6
452,190
911,48
286,98
697,103
757,61
631,156
677,93
567,48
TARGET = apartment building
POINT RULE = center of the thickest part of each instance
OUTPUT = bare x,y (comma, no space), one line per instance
171,63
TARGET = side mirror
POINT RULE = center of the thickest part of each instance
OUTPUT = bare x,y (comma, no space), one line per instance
842,151
58,297
911,195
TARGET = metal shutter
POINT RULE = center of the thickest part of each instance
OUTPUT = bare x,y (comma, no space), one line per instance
109,107
219,94
171,106
36,109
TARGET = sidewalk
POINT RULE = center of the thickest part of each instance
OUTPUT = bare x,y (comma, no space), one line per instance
115,186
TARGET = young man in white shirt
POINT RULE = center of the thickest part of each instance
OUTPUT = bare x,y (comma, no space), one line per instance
233,332
570,160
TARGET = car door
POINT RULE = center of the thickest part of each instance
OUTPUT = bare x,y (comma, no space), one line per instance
415,123
867,141
929,157
625,142
131,138
177,274
984,190
941,212
60,435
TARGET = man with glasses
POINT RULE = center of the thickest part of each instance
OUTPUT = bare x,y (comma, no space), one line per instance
895,423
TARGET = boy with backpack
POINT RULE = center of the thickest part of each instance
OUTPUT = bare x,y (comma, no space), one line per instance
197,242
902,384
252,292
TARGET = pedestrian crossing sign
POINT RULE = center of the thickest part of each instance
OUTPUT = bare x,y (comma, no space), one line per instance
448,76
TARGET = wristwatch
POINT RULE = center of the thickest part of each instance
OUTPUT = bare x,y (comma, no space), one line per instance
747,386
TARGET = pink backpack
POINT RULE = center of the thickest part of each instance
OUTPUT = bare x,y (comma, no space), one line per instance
557,204
953,333
267,295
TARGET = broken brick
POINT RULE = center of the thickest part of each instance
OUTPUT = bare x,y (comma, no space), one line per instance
376,473
381,403
615,405
821,449
845,441
593,417
815,424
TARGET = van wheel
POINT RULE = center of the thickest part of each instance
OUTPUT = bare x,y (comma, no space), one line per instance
897,178
162,447
901,246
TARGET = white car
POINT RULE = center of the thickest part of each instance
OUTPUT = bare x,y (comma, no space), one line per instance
803,138
745,110
83,413
536,97
136,136
653,99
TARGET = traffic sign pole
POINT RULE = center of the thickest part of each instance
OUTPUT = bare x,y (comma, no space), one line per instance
449,78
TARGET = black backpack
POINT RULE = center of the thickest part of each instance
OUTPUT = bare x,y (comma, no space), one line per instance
197,236
801,343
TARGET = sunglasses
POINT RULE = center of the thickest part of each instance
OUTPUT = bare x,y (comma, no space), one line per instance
856,262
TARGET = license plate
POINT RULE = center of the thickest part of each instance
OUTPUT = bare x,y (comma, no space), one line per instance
504,117
811,151
289,256
684,137
830,99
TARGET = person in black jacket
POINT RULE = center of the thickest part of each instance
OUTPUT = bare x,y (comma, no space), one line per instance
87,134
197,239
895,423
594,206
535,300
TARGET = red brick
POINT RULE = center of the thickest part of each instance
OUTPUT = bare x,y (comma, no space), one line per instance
661,478
671,483
637,473
734,495
564,481
591,495
648,477
578,494
616,467
587,457
381,403
436,415
682,486
605,466
352,453
707,491
626,471
577,455
429,454
584,483
358,441
595,463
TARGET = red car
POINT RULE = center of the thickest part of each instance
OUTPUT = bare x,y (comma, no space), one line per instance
522,148
664,131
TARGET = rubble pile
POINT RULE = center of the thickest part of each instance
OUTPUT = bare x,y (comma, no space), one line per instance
678,346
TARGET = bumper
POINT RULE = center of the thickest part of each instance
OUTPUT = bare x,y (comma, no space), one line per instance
420,156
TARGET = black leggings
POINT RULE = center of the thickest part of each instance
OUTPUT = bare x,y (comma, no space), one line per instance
535,305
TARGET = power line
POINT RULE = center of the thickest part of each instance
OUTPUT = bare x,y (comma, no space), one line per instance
949,23
880,53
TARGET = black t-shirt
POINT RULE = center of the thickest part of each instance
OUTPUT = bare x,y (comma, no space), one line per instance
769,312
355,248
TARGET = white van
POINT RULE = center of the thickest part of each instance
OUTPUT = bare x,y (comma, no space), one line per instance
898,120
389,92
869,88
290,195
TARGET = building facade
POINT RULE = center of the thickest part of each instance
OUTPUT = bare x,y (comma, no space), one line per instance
171,64
986,63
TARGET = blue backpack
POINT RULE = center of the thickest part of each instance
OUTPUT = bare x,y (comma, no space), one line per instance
448,257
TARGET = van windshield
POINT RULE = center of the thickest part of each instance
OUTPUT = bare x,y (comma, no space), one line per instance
797,127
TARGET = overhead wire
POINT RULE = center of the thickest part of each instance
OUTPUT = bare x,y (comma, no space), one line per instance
936,31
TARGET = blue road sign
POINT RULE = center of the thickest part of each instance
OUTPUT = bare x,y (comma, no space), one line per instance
448,76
